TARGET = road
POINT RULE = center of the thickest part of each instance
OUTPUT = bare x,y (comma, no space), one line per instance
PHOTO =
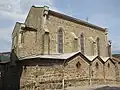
95,88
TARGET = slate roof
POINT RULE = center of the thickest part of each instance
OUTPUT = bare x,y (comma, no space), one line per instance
91,58
62,56
105,58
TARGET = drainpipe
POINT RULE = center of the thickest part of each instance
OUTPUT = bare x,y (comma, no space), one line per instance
63,81
104,73
63,84
90,74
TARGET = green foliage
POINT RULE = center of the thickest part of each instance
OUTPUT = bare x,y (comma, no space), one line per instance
116,55
4,58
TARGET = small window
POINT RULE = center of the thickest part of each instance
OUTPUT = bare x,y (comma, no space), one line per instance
82,43
78,65
97,65
109,48
108,65
98,46
92,73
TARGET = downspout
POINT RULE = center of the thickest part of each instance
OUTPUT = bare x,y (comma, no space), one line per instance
116,72
90,74
63,80
104,73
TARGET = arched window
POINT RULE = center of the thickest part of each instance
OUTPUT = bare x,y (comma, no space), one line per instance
108,65
75,44
82,42
93,45
98,46
46,41
97,65
109,48
93,48
60,40
78,65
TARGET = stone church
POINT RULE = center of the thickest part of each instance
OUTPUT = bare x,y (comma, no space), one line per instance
51,50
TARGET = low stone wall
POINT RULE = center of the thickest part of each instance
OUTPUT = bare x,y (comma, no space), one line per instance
51,77
97,81
42,86
41,77
76,82
110,82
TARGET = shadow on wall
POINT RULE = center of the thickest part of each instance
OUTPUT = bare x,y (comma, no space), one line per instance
12,74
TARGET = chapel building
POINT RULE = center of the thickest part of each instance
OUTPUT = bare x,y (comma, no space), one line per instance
51,50
48,32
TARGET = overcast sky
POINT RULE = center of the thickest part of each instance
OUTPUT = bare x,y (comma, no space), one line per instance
105,13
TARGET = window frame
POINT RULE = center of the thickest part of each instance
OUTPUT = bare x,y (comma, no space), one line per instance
60,39
82,43
98,45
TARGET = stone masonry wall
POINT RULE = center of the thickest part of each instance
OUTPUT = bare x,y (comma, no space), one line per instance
110,72
38,77
41,21
97,72
32,44
28,46
76,73
52,76
54,23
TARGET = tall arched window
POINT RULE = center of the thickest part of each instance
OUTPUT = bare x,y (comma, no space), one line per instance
82,42
60,40
98,46
109,48
93,45
75,44
46,42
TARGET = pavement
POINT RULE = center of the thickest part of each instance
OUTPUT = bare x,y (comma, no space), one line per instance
102,87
